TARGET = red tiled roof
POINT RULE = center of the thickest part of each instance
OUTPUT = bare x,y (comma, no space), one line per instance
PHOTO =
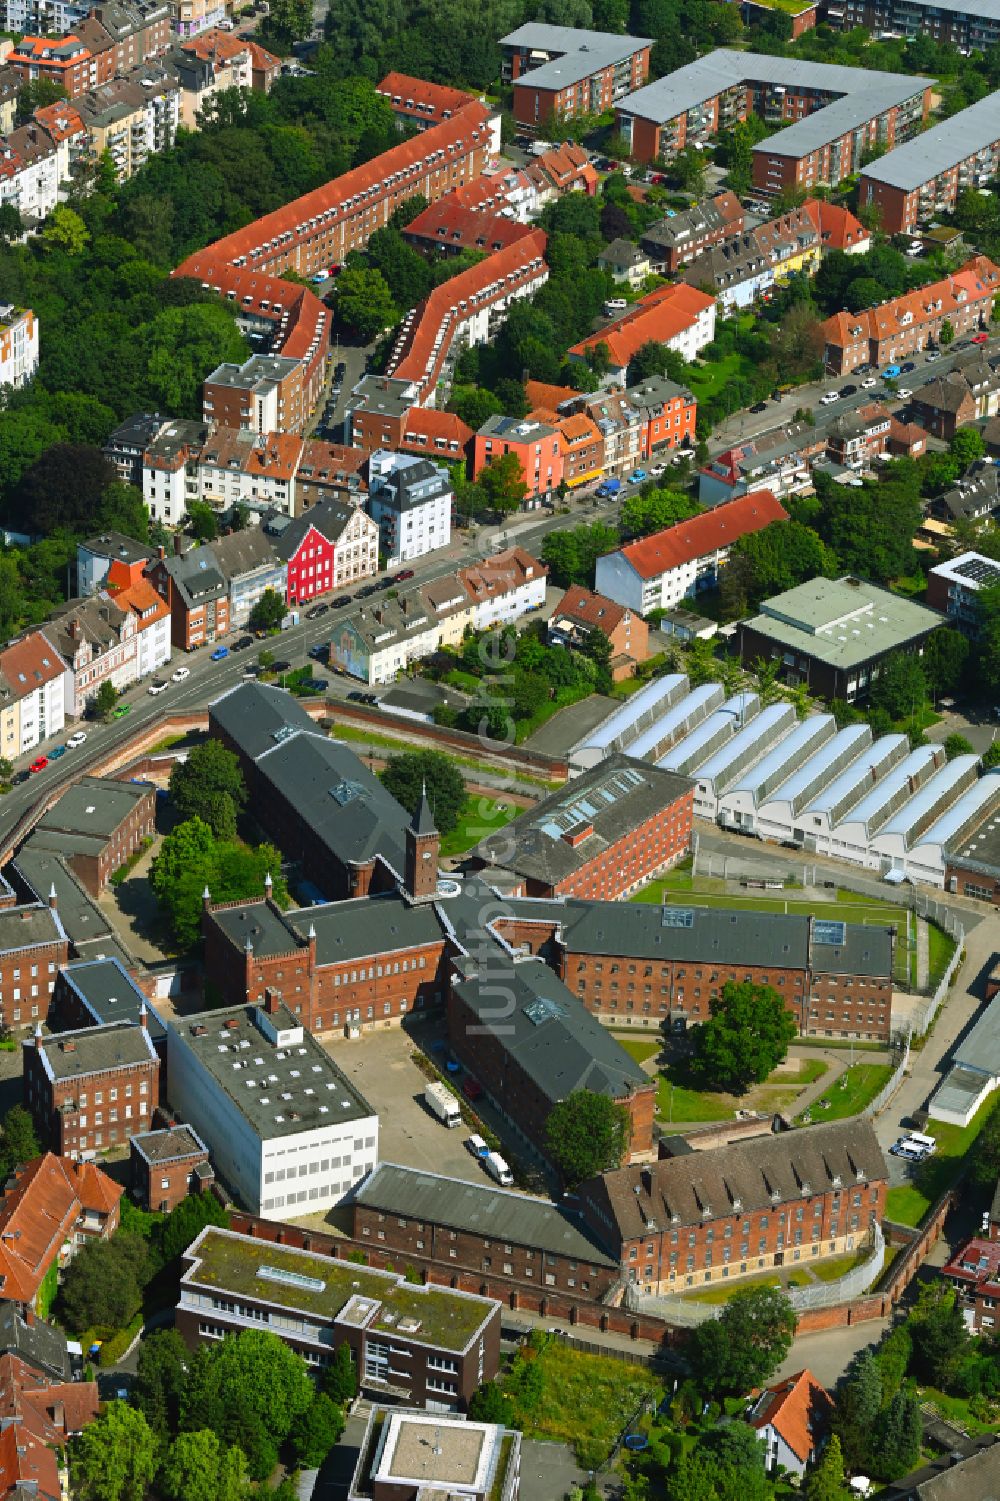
418,99
422,425
50,1410
977,281
32,50
137,595
562,167
539,394
704,534
28,1463
303,320
798,1409
506,570
419,352
590,610
449,223
659,317
39,1213
837,227
261,61
493,190
60,120
215,46
330,199
30,663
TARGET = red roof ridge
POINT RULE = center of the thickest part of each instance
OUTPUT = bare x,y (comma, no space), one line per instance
704,533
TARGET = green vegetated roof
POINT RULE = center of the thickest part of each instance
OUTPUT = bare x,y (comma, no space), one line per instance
232,1263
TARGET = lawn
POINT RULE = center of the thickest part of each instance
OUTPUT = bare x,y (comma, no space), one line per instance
940,949
480,816
708,380
824,1269
639,1048
908,1204
586,1400
406,747
678,1103
858,1084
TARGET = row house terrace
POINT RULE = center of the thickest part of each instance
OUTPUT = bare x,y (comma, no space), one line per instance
99,642
414,101
32,694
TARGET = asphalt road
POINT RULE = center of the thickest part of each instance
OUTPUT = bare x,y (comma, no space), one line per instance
746,424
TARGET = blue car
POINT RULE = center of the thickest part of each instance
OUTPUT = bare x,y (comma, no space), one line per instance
56,752
637,476
891,371
219,653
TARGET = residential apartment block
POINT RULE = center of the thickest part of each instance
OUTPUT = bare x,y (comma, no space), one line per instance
743,269
197,592
968,392
410,500
924,177
954,588
35,162
535,444
448,227
132,118
967,24
283,1125
414,101
251,567
432,1346
679,316
127,585
660,571
330,546
831,114
32,694
558,72
672,242
91,1089
907,324
18,345
98,642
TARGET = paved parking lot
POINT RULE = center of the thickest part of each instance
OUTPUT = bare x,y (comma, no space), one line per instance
381,1066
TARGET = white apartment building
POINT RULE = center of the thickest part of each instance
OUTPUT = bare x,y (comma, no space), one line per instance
410,499
18,345
505,587
286,1130
32,694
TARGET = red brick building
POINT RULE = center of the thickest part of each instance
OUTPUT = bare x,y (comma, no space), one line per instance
558,848
33,945
97,824
93,1088
414,101
558,72
50,1207
974,1272
703,1217
166,1166
580,612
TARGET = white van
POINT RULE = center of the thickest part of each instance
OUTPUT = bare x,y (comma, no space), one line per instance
614,305
497,1168
926,1144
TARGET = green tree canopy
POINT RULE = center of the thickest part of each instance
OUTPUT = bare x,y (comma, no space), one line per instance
268,612
744,1346
364,302
191,859
187,1219
114,1458
18,1141
746,1036
656,510
196,1467
901,687
858,1409
406,777
503,484
209,785
102,1286
250,1389
160,1374
490,1404
946,652
340,1378
587,1133
825,1481
316,1430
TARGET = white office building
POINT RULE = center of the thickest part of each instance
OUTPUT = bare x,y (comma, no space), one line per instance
286,1130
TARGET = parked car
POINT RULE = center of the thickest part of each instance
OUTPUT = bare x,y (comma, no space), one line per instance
157,686
180,674
932,355
637,476
657,469
75,740
219,653
370,698
342,600
56,752
341,369
904,393
471,1088
980,338
121,711
848,390
319,652
869,384
477,1145
907,366
242,643
403,575
316,612
39,764
891,371
828,397
759,406
357,698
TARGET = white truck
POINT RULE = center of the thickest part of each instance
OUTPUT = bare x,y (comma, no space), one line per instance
498,1169
443,1103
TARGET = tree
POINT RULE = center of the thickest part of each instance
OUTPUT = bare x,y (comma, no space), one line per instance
946,652
957,745
859,1405
408,775
780,556
991,758
288,21
735,1446
249,1389
939,1334
64,230
745,1038
187,1219
586,1134
10,223
340,1378
315,1431
475,405
64,487
191,859
159,1379
490,1404
900,688
988,635
967,445
898,1437
105,699
656,510
102,1286
572,555
744,1346
268,612
203,523
6,774
209,785
946,333
18,1141
196,1467
597,649
825,1480
364,302
114,1459
502,482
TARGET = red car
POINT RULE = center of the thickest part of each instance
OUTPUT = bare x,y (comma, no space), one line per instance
981,339
471,1088
40,764
400,578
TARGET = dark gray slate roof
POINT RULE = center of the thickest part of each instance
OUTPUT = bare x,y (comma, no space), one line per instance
260,922
39,1344
758,1174
969,1473
94,806
480,1209
257,717
615,798
542,1026
169,1146
368,926
196,575
40,868
68,1055
109,993
20,927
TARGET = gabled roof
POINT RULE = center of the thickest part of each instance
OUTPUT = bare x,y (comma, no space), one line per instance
29,664
688,540
329,517
448,223
28,1467
424,428
589,610
659,317
39,1212
418,99
799,1411
976,281
242,553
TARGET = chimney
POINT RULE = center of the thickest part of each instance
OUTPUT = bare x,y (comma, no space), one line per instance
53,899
178,544
161,552
268,887
272,1000
143,1019
206,899
29,1317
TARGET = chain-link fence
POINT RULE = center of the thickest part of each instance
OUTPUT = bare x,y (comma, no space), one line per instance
885,1094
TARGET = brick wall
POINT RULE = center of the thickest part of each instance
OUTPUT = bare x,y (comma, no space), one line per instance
618,987
27,979
619,869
